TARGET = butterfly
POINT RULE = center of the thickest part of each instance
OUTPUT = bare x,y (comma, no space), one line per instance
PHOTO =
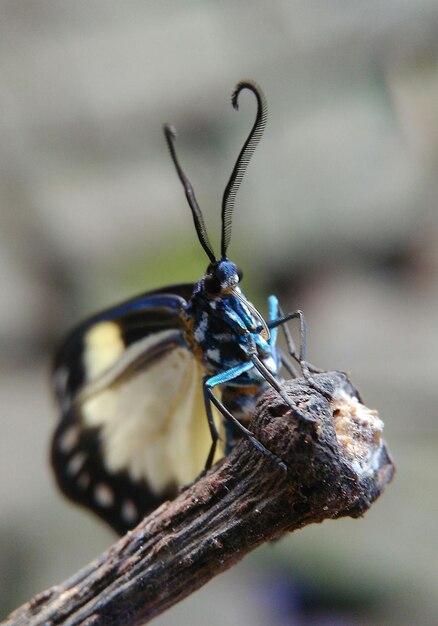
155,390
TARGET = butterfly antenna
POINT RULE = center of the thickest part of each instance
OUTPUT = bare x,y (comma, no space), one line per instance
170,135
243,158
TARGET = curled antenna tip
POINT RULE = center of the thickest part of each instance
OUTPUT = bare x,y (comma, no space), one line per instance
169,131
243,84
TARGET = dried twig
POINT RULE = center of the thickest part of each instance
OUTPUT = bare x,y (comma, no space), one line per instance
337,466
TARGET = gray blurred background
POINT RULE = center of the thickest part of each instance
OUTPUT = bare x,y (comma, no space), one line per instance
337,216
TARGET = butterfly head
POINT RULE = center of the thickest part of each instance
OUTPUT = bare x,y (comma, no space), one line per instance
221,278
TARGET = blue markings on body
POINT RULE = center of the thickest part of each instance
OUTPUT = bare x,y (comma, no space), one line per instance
227,332
229,375
273,315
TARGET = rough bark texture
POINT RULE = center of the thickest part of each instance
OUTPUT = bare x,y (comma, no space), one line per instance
337,466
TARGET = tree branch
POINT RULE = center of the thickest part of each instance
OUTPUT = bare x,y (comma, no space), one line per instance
337,466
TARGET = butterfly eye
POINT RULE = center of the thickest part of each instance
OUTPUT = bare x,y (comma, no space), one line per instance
239,274
211,285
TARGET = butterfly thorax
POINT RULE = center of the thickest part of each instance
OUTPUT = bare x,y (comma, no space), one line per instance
223,332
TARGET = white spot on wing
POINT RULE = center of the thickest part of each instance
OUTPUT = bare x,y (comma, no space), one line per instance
69,439
103,495
83,480
60,378
76,463
129,512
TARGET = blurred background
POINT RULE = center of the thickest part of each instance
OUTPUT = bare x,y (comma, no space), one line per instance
337,215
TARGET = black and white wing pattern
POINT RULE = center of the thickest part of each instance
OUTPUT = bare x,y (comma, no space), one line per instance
133,427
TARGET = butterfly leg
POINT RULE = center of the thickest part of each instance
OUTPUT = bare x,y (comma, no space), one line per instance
274,314
299,355
209,384
307,368
270,378
212,426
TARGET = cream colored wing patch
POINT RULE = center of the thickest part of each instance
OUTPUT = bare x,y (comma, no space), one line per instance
153,423
103,346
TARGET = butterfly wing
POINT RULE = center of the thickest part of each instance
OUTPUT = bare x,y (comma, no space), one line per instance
133,426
